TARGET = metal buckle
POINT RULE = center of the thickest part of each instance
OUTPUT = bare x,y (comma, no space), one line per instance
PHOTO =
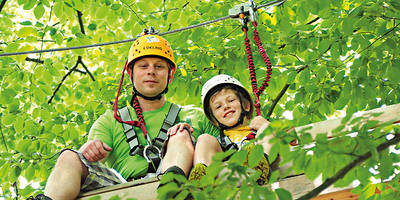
150,31
249,8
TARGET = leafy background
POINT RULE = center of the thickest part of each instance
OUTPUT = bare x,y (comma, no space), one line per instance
329,57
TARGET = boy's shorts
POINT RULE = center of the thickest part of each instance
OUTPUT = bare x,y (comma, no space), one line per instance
99,175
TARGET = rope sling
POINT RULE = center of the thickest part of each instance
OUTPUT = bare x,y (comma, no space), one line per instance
245,10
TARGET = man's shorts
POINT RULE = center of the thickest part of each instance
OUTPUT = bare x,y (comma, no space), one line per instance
99,175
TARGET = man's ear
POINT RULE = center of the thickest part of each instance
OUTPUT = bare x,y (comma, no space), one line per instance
129,69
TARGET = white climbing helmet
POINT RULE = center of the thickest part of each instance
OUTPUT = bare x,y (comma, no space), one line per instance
222,79
218,80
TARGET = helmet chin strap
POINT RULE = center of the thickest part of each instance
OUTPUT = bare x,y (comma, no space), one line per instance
157,97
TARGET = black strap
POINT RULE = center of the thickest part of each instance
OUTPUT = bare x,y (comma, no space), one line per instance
225,142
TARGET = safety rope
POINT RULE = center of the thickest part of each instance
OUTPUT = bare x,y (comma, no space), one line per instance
266,5
256,91
139,113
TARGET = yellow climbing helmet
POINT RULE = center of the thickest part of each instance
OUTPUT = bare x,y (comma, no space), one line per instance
152,45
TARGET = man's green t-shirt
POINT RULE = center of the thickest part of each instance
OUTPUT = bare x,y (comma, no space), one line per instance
108,130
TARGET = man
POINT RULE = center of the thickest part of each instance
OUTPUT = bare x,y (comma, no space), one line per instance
134,154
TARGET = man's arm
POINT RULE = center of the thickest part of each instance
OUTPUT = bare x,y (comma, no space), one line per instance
99,140
95,150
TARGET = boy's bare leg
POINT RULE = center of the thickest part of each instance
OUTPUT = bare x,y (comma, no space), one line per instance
65,180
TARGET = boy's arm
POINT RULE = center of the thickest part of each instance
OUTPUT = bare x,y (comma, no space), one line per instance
260,124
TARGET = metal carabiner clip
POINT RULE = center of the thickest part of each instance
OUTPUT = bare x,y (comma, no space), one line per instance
151,149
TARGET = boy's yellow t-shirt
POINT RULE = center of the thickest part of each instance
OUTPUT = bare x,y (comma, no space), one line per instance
236,135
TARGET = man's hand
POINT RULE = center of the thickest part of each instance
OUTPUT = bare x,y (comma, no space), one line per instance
259,123
95,150
178,128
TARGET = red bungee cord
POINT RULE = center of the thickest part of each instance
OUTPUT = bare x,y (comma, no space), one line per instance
139,113
256,91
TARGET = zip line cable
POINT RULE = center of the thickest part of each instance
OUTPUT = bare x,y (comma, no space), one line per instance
268,5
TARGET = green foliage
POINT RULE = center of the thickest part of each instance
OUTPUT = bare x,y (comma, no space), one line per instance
335,55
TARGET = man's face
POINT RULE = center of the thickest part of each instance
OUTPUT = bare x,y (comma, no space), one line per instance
225,106
150,75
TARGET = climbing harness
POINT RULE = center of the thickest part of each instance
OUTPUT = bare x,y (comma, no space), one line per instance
152,151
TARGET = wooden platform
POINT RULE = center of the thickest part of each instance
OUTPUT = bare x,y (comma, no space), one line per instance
297,185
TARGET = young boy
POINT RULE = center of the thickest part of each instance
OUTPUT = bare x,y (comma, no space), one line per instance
228,105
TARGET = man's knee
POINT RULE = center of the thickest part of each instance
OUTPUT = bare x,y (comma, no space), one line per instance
68,156
71,159
181,138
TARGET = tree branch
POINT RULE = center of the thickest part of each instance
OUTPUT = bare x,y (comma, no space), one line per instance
2,136
341,173
379,38
2,4
80,71
63,79
276,100
144,23
80,61
81,22
280,95
15,185
86,69
312,21
36,60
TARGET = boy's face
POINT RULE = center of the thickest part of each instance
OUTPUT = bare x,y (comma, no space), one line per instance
225,106
150,75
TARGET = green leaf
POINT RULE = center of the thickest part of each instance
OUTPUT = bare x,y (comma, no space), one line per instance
348,25
29,5
238,157
58,9
394,73
59,38
312,171
46,3
115,6
26,23
16,171
323,46
283,194
255,155
92,27
39,11
19,124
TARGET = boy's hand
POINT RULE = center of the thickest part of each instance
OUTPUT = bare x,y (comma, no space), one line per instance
259,123
178,128
95,150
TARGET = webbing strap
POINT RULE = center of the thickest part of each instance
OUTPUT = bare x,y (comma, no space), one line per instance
169,121
226,143
129,131
131,137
